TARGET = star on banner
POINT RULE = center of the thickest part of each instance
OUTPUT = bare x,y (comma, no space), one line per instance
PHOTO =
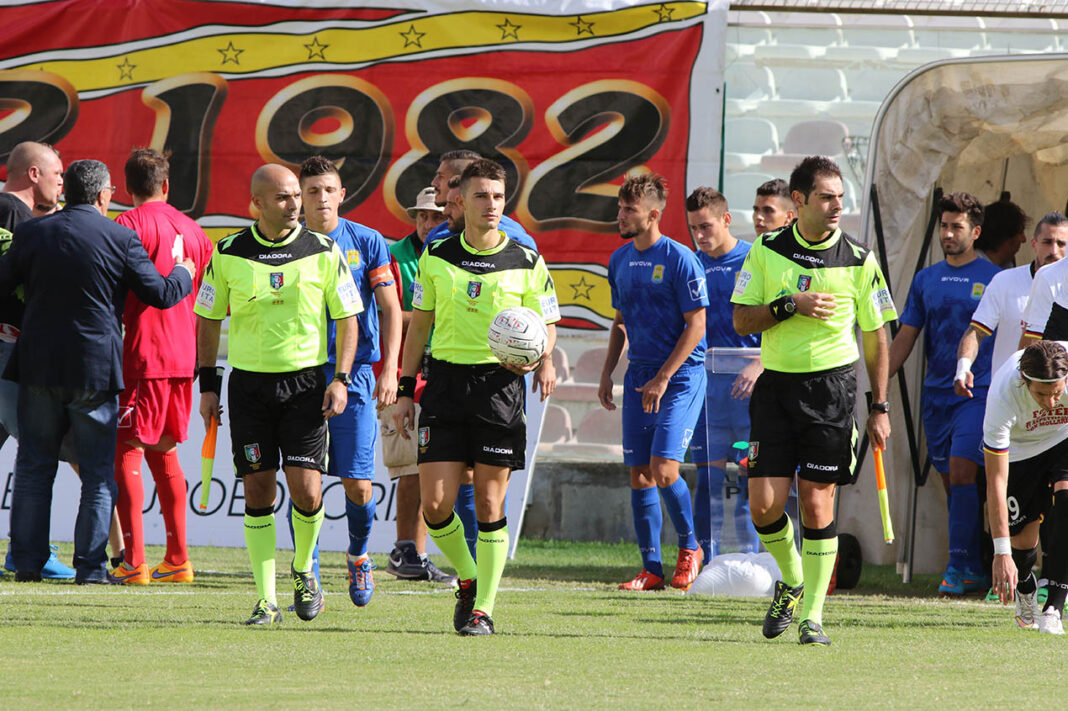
126,69
411,37
664,12
509,30
315,49
582,27
230,53
582,289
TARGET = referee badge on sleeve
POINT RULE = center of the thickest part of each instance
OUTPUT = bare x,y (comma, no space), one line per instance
754,450
206,296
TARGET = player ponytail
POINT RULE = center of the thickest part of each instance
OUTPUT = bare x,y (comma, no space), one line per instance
1044,362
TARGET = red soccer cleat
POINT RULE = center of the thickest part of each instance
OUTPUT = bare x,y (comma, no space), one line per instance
687,568
644,581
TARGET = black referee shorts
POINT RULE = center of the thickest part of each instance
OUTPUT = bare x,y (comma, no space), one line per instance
1029,494
277,413
803,420
473,413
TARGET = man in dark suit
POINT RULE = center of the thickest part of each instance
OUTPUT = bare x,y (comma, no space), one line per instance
75,267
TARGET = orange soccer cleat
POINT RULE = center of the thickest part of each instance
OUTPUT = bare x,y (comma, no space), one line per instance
123,575
164,573
644,581
687,568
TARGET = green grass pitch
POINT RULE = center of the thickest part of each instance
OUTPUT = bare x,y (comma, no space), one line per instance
566,640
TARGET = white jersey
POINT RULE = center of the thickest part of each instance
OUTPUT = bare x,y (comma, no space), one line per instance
1001,311
1047,307
1014,422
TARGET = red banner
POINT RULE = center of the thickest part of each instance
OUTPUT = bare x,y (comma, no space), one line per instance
576,104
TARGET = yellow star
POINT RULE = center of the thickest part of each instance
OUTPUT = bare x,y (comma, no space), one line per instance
315,49
582,289
230,53
509,30
411,37
582,27
664,12
126,69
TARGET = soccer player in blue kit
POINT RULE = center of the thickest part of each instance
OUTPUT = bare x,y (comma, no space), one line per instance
721,256
943,297
658,291
354,432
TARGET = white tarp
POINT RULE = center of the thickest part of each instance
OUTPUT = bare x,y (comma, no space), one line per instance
980,125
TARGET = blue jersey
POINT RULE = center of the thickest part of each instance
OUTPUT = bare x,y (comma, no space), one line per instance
652,289
943,298
720,273
367,255
508,226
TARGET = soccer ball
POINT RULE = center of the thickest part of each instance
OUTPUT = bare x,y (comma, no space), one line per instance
517,336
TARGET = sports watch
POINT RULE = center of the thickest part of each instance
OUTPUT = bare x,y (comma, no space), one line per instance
344,378
883,407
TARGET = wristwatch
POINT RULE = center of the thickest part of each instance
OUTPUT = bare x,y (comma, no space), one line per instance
881,407
790,306
344,378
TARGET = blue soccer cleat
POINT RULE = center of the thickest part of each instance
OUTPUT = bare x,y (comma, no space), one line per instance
361,580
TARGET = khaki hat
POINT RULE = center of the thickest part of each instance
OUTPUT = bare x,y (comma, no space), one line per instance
425,201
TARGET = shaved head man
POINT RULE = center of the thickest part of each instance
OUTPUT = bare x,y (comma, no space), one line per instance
35,175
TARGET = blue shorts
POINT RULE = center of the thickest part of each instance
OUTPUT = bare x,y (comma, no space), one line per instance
727,424
953,426
666,433
354,433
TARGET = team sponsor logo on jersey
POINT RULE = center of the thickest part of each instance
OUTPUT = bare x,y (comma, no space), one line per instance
474,289
1047,418
882,300
804,282
639,263
206,296
810,258
353,257
687,435
277,280
350,298
497,450
424,436
252,452
697,289
977,291
550,307
754,450
741,282
476,265
658,273
417,294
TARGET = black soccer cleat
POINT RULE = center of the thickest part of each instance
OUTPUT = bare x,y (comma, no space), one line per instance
810,632
781,612
465,603
308,599
478,625
264,614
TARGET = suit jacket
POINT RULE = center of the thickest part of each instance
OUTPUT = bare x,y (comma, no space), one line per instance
76,267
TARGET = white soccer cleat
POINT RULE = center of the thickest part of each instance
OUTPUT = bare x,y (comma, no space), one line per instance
1027,612
1050,622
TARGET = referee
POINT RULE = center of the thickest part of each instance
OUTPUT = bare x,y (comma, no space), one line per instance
473,410
278,280
805,287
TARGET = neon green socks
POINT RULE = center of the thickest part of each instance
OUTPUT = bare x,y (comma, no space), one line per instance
449,537
305,534
778,538
260,541
817,560
492,550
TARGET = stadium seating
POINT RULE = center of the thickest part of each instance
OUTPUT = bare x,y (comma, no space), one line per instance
562,365
740,189
805,138
588,367
600,426
750,138
557,425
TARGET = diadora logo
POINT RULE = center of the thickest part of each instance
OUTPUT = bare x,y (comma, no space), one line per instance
821,467
477,265
497,450
810,258
275,256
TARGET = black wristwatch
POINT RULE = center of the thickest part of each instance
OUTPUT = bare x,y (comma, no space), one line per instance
790,306
883,407
344,378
